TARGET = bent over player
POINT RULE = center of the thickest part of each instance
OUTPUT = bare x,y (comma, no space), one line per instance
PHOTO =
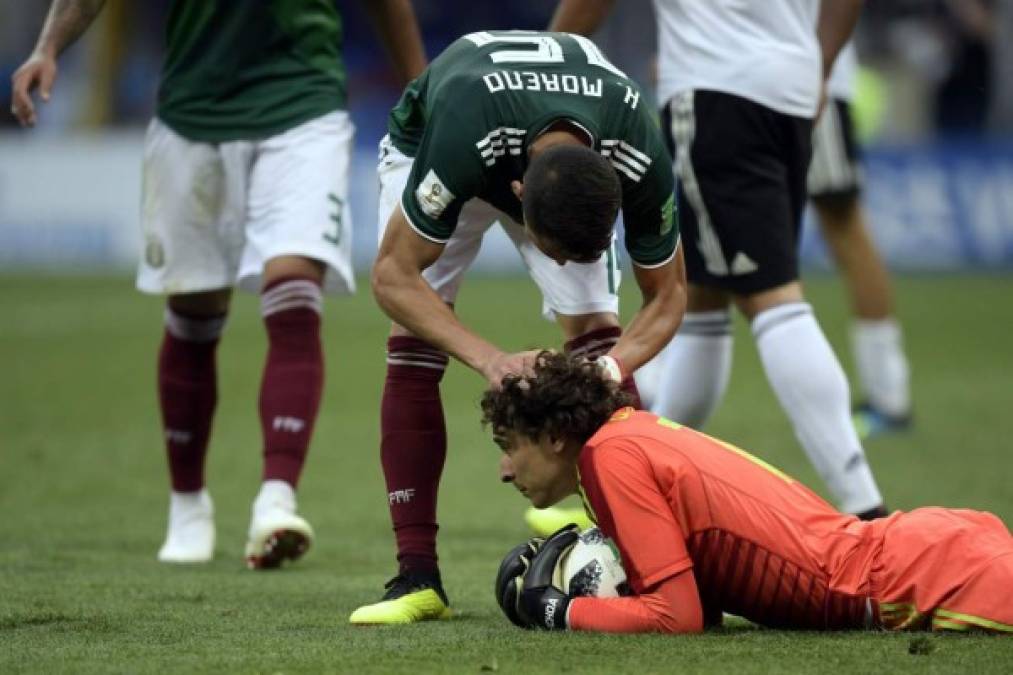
245,184
705,528
539,132
740,84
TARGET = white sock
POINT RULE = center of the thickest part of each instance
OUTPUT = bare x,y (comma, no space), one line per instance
182,504
811,386
275,494
696,368
883,372
190,537
648,378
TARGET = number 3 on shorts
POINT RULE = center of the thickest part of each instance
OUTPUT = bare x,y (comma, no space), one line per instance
335,235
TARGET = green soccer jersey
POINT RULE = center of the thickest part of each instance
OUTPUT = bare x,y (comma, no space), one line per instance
468,119
249,69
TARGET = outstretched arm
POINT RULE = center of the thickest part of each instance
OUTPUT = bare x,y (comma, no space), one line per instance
652,327
836,23
405,296
580,16
66,21
672,606
395,23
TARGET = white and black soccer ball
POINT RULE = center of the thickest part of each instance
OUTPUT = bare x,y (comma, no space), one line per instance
591,567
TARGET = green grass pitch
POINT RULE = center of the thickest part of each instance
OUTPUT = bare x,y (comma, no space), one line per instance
83,494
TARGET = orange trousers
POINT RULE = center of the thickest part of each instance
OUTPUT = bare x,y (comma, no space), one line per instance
944,569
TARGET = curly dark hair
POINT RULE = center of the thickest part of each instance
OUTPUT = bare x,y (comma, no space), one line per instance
567,397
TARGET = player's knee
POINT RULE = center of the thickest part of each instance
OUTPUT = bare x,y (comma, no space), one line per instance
838,214
706,299
756,303
292,267
202,304
835,202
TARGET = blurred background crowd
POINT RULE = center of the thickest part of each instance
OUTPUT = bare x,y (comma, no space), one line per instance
931,66
934,108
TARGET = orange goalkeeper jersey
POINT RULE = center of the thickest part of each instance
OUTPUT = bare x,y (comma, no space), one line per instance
761,545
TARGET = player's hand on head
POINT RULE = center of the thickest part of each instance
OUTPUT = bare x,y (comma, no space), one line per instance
501,365
38,71
542,604
611,368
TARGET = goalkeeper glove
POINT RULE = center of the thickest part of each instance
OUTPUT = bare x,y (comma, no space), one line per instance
542,605
510,578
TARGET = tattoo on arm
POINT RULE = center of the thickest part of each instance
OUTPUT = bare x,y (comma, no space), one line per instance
66,21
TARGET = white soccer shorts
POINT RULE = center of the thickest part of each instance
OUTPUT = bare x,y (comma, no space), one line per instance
573,289
213,214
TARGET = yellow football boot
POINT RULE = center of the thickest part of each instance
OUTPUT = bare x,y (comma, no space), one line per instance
410,598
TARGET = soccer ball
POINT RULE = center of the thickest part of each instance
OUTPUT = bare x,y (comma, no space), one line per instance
591,567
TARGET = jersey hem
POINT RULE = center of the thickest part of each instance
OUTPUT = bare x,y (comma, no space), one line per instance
403,145
654,266
201,134
419,231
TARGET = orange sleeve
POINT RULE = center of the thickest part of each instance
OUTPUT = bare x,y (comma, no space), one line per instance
631,509
672,607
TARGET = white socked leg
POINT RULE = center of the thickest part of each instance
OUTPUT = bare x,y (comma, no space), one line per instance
813,390
694,369
883,372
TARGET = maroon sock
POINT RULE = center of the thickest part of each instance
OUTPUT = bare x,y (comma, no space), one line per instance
597,342
413,447
187,394
293,375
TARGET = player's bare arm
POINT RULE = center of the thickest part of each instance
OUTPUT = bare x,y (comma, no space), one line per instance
404,295
66,22
836,23
580,16
398,29
663,290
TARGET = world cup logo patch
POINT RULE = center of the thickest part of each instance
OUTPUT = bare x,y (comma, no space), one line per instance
432,195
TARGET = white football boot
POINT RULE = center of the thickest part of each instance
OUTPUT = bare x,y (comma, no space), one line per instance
277,532
191,534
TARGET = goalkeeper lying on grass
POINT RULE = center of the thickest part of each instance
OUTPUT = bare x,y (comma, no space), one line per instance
706,528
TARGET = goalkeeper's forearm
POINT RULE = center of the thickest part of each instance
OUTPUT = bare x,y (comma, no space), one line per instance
66,21
673,606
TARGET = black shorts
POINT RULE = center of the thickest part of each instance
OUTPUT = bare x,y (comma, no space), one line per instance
742,173
835,175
